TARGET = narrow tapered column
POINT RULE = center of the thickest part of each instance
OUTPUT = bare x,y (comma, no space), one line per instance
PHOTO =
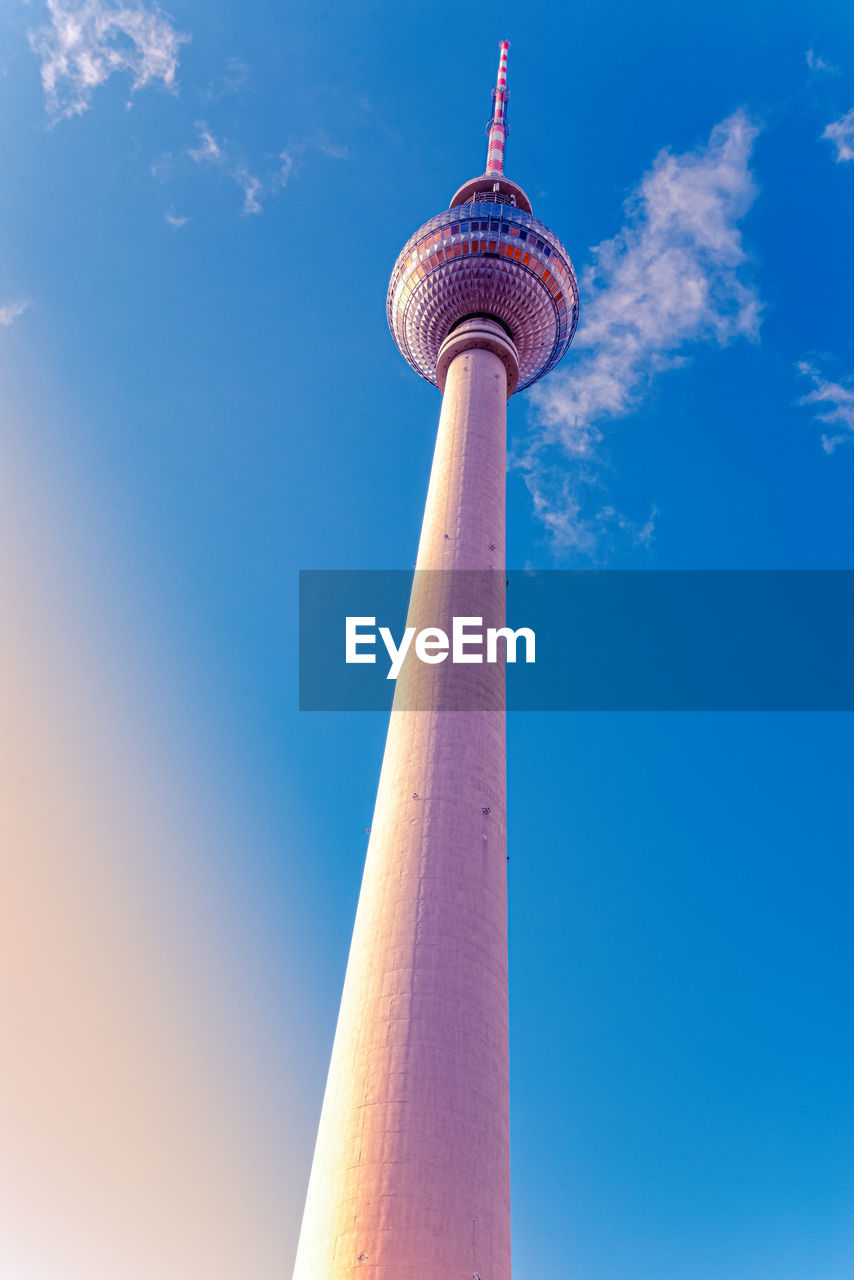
411,1173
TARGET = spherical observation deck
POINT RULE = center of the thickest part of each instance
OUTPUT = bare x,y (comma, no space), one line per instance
485,256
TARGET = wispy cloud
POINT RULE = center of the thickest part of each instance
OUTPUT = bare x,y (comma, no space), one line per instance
214,151
251,187
175,221
163,167
208,147
211,151
675,276
9,311
233,79
819,66
289,159
841,132
84,42
833,403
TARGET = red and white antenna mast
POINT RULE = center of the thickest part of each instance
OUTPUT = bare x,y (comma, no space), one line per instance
497,127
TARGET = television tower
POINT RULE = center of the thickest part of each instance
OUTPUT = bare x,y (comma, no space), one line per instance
411,1171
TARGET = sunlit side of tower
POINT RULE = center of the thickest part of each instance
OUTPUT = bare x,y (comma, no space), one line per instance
411,1171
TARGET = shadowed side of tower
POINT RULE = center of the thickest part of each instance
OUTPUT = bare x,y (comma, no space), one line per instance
411,1172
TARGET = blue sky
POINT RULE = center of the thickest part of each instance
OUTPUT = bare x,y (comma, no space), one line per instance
200,207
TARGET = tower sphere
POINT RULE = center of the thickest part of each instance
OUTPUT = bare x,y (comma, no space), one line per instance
487,255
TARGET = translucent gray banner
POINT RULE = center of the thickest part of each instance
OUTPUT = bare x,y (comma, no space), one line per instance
602,640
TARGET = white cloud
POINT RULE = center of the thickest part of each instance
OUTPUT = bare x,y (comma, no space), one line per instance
835,401
818,65
163,167
673,277
208,148
84,42
175,221
251,189
287,162
289,158
9,311
324,144
841,132
233,80
210,151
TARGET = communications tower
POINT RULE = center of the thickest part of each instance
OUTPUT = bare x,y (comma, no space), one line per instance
411,1171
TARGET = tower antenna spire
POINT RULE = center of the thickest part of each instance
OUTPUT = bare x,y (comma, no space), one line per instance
498,128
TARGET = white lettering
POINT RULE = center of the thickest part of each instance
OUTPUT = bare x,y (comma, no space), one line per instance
396,655
510,638
353,638
431,645
461,639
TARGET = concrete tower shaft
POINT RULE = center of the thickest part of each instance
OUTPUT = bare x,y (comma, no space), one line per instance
411,1174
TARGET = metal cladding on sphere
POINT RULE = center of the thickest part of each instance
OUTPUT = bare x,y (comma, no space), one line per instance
486,255
484,258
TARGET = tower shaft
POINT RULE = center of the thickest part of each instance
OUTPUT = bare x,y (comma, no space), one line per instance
411,1173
